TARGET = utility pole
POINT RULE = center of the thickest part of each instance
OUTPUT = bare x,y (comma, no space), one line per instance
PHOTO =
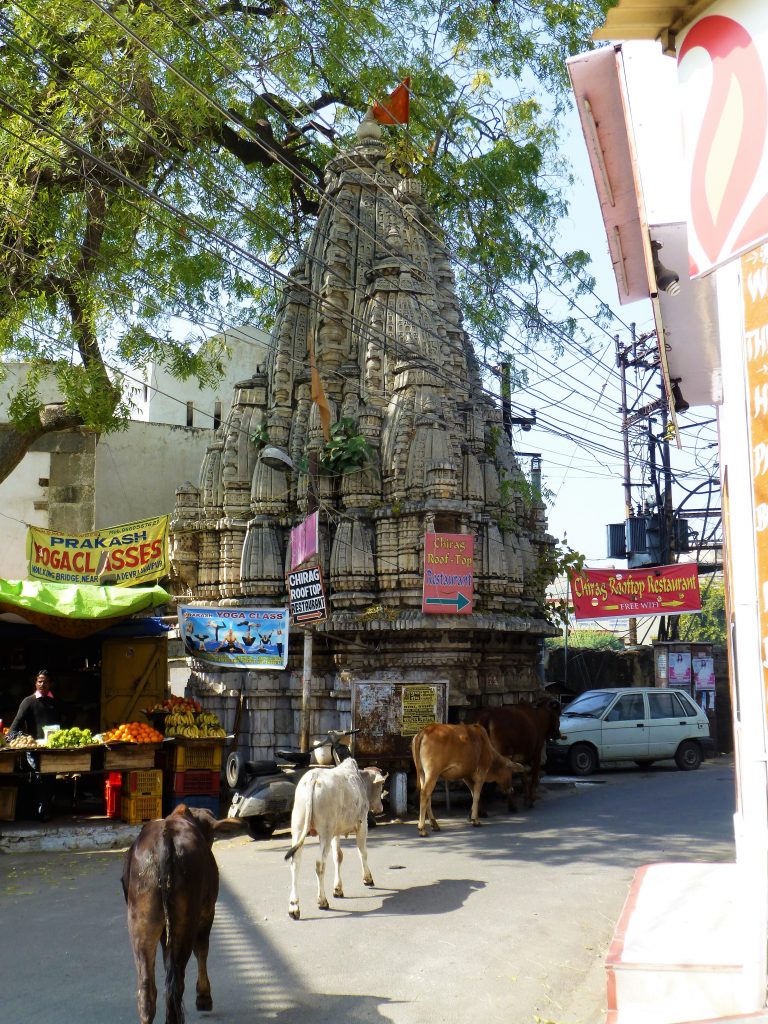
621,361
306,675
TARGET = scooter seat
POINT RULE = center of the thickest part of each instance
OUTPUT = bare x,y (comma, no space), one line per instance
299,758
254,768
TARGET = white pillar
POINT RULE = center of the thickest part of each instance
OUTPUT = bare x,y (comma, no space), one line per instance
749,703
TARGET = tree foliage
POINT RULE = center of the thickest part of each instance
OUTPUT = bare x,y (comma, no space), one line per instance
709,625
587,639
159,159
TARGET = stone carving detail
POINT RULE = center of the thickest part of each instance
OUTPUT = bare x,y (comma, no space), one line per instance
375,300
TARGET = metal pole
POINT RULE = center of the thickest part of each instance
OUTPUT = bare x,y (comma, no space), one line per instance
306,693
306,675
565,652
622,364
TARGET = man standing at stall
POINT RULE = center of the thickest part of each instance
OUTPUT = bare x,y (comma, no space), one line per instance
39,709
36,711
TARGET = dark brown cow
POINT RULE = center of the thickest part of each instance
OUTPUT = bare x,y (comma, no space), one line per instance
170,882
457,752
520,731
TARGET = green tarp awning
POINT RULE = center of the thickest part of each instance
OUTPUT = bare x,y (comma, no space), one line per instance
76,609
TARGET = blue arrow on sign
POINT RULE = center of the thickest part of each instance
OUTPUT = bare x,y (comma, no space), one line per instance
460,601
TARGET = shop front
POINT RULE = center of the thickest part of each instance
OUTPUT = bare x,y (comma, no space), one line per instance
106,656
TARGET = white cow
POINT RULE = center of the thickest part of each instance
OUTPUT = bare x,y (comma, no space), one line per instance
332,802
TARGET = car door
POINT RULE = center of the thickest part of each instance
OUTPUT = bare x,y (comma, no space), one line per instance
624,735
670,721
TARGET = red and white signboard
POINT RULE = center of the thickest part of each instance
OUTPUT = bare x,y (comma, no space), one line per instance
661,590
448,573
723,75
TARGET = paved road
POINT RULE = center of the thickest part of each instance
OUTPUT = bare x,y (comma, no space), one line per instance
506,924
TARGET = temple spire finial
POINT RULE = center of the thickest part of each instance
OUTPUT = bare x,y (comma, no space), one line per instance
369,128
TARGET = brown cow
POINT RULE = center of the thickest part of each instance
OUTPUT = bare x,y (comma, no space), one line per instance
457,752
170,882
520,731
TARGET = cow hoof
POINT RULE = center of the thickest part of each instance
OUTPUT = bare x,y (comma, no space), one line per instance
295,913
204,1003
338,892
369,882
476,824
325,905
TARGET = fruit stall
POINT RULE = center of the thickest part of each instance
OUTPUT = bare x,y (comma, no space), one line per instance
146,768
108,657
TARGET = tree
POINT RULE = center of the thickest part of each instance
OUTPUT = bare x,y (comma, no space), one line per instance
707,626
161,161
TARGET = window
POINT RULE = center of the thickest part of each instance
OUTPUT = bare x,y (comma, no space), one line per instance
190,413
665,705
216,414
628,708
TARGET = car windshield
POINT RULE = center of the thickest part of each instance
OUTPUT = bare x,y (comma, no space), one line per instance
589,705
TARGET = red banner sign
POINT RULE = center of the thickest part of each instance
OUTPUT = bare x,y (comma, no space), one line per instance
660,590
448,573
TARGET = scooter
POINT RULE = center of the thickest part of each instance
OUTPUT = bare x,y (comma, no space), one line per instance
263,791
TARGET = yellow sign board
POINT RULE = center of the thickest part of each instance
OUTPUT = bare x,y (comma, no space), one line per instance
119,556
419,708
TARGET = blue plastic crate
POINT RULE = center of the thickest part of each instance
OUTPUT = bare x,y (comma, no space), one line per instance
209,802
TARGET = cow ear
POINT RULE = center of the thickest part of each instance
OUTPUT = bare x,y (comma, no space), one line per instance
378,777
229,825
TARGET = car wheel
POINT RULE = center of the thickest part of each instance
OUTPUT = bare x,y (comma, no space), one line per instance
234,770
260,828
582,759
688,756
644,763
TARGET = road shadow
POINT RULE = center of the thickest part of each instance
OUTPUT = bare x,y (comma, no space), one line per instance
252,979
442,896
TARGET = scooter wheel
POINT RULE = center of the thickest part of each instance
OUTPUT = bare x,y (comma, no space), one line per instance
258,828
235,770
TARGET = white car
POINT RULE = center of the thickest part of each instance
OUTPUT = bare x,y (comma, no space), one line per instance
640,724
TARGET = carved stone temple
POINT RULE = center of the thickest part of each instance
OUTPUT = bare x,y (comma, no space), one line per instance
375,295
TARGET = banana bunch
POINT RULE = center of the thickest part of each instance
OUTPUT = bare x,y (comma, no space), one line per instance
209,725
187,724
181,722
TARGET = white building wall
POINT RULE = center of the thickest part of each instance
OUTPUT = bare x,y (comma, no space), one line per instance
163,399
23,500
139,469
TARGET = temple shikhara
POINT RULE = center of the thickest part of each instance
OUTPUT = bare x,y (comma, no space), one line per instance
374,302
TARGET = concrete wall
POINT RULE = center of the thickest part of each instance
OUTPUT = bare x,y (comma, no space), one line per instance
138,469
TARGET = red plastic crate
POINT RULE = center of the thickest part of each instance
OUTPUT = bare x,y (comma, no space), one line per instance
193,782
113,796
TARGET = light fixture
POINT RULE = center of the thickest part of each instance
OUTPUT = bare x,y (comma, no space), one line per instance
276,458
679,402
667,280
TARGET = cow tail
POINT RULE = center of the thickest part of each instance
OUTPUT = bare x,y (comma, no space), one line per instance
165,872
416,754
308,813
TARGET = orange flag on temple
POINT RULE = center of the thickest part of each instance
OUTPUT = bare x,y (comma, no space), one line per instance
317,392
396,108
